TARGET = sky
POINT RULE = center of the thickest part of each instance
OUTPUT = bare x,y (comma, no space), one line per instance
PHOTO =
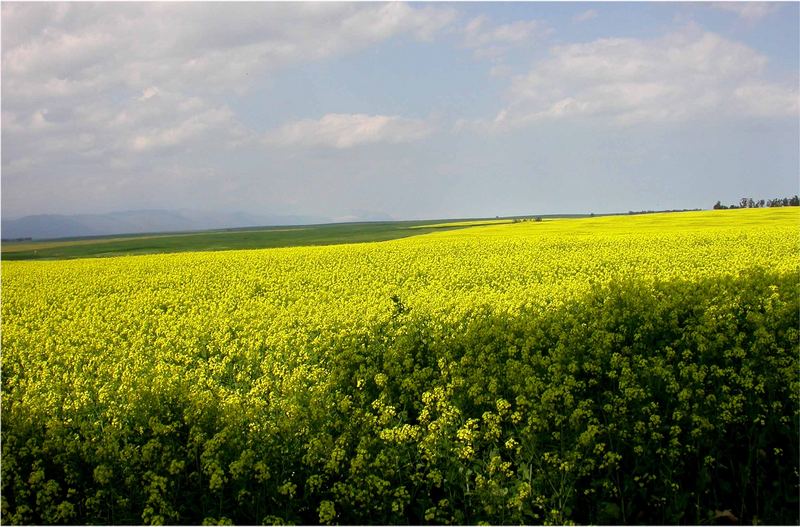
411,110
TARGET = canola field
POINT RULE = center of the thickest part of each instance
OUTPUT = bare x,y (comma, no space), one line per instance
638,369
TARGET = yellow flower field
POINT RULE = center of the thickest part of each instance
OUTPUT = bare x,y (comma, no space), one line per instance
292,355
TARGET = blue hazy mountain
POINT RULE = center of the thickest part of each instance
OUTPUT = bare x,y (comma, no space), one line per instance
44,226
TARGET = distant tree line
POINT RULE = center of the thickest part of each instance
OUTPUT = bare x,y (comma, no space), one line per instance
750,203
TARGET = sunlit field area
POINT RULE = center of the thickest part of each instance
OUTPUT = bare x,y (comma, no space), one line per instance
625,369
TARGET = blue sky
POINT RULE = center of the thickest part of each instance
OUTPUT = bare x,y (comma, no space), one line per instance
418,110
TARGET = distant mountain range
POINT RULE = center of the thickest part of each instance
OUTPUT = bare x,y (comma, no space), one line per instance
45,226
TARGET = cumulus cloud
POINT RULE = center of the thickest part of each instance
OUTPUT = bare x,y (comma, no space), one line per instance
109,89
679,77
348,130
106,135
492,41
77,49
585,16
747,11
181,132
762,99
118,55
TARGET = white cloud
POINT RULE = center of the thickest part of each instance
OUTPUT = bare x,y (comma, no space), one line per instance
348,130
74,50
152,91
767,100
492,41
747,11
39,120
112,131
116,88
181,133
680,77
388,20
585,16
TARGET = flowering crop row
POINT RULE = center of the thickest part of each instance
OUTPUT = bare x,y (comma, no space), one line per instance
608,370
